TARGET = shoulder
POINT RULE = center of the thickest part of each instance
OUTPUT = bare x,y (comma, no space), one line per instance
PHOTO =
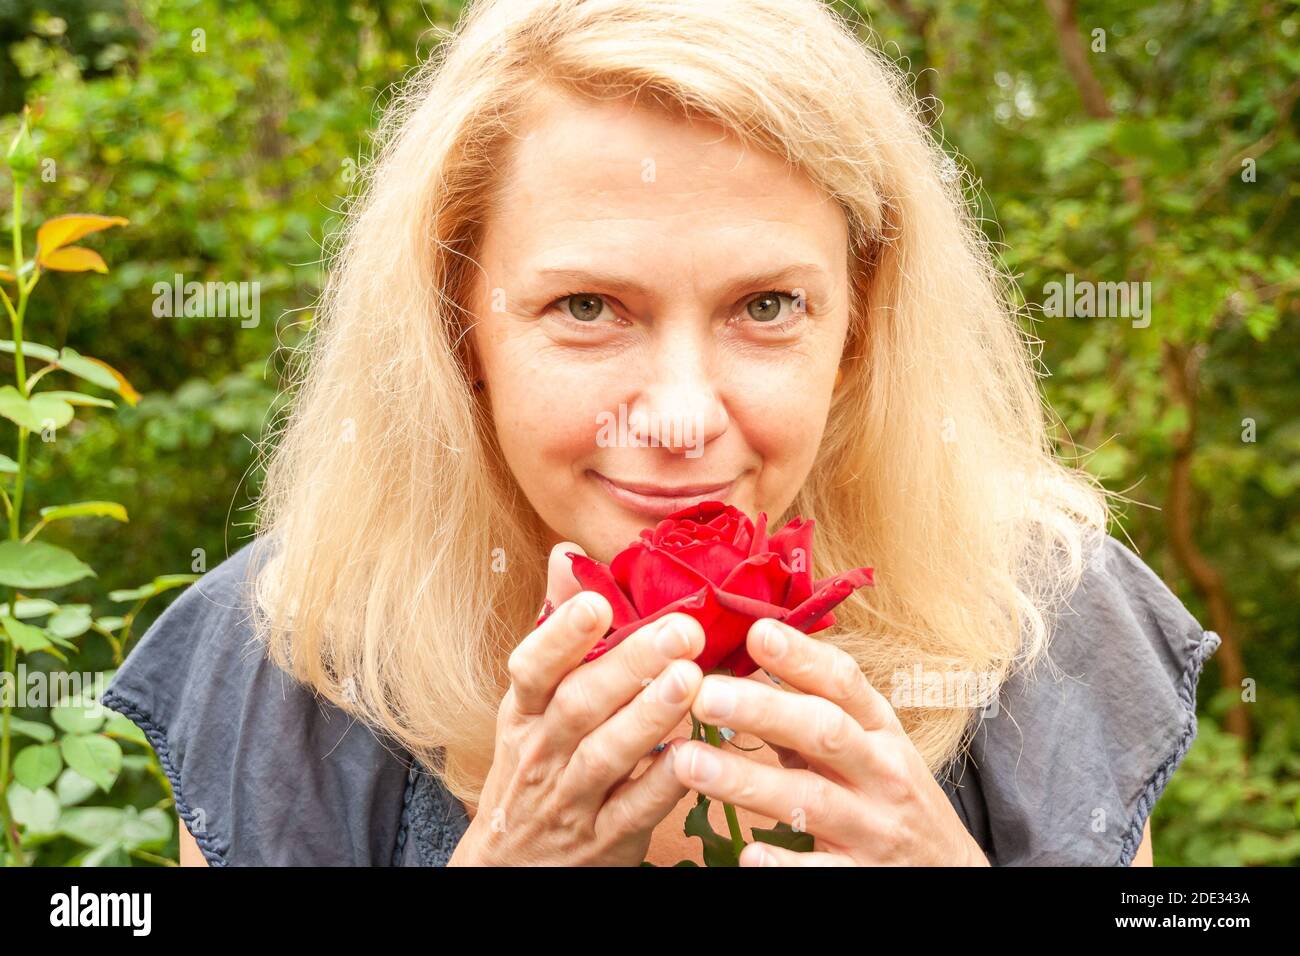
1067,765
263,771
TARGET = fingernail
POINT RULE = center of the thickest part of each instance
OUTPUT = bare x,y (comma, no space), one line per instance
774,641
672,639
703,766
716,700
675,689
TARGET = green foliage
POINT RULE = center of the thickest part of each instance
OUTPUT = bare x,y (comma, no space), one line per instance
230,135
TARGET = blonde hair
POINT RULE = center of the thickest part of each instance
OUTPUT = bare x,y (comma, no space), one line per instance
385,493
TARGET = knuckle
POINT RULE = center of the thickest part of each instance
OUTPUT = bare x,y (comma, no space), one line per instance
813,800
833,731
518,666
622,819
594,762
894,781
846,678
572,700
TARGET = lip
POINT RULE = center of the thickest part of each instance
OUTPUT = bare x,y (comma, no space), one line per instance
659,501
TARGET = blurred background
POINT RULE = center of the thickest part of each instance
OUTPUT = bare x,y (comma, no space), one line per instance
1108,141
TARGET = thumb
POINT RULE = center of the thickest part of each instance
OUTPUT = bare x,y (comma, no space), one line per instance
560,582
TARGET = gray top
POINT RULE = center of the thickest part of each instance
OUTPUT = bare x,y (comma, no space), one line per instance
1065,770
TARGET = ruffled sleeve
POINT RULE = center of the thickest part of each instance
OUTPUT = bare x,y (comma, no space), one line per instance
263,771
1066,769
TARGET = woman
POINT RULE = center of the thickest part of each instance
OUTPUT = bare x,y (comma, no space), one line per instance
721,222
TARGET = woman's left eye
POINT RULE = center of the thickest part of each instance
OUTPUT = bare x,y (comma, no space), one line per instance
766,310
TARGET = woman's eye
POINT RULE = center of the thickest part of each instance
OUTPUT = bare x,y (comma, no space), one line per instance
765,308
583,306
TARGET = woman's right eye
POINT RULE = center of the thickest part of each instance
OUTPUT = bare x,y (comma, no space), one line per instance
582,306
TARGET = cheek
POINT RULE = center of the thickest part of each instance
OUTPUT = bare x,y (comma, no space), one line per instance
781,408
545,409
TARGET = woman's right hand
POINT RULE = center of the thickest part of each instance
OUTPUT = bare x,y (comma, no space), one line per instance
568,737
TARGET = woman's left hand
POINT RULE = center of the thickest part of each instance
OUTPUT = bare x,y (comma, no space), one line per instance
850,775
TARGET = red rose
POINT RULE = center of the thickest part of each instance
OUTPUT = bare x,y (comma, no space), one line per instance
711,562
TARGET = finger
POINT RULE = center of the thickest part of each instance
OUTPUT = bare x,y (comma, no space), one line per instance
811,726
815,667
590,694
787,757
764,854
634,806
560,581
804,799
612,751
540,661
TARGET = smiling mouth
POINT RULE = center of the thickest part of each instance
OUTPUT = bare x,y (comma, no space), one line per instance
659,501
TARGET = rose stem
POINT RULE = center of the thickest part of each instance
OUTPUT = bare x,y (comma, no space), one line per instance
733,824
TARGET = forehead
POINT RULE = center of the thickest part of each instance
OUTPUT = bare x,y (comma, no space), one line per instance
614,176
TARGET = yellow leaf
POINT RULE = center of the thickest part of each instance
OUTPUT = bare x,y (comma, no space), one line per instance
73,259
6,275
58,232
124,388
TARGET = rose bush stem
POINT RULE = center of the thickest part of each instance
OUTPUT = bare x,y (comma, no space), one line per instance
733,823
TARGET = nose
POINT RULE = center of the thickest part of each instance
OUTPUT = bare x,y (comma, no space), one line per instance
678,405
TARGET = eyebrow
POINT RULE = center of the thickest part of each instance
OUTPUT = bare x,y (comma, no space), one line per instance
762,279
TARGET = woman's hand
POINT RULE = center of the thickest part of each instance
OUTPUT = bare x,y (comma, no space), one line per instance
850,775
569,736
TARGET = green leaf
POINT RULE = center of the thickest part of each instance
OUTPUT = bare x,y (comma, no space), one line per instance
36,811
125,728
31,350
8,466
31,728
109,854
718,850
93,756
150,829
79,715
26,637
38,765
35,412
83,367
93,826
73,787
158,585
17,409
34,607
68,622
784,835
35,564
96,826
84,509
80,398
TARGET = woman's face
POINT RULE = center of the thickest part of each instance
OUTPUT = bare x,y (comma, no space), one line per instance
660,318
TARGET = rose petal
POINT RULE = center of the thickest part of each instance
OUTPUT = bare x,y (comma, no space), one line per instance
726,619
809,614
739,662
794,544
758,540
763,576
614,638
714,560
652,577
594,576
